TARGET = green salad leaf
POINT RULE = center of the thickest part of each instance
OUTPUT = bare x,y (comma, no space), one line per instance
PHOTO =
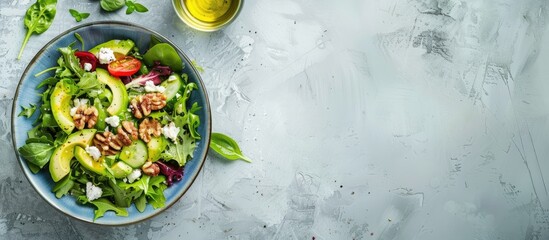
38,19
37,151
71,61
103,205
27,111
226,147
63,187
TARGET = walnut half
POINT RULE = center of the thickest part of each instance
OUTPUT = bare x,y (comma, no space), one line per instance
149,127
85,115
110,144
143,105
150,168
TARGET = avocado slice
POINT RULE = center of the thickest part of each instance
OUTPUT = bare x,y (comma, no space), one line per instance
62,155
121,169
155,147
60,100
88,162
118,46
120,100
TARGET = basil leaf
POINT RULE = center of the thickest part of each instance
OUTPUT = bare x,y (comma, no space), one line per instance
38,19
140,8
78,16
112,5
226,147
27,111
130,8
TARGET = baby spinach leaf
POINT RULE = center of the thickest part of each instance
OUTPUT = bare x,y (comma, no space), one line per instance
78,16
27,111
112,5
226,147
38,19
103,205
37,151
166,55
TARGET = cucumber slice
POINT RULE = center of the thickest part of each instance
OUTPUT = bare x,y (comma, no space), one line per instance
172,85
135,154
156,146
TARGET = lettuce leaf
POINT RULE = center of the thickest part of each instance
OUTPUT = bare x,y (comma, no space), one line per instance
103,205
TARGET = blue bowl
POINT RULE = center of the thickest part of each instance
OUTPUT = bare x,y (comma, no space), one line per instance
26,93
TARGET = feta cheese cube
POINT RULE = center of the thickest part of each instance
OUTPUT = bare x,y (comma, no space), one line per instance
105,55
150,87
87,67
170,131
134,175
94,152
93,192
113,121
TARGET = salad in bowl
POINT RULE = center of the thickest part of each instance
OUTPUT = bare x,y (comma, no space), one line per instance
120,130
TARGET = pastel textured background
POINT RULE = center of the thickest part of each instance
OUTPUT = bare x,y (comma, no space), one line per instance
395,119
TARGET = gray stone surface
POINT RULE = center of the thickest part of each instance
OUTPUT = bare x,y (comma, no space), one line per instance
396,119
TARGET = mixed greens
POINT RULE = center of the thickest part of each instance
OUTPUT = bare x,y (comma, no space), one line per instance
116,127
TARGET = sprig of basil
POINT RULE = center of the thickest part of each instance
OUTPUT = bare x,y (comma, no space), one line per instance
78,16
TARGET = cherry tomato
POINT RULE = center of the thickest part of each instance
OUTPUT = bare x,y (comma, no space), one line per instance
124,67
86,57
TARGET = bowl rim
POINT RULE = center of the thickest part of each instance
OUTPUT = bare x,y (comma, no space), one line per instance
208,126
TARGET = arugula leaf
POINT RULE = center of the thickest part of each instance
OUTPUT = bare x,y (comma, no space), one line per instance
48,81
78,16
38,19
81,40
103,205
226,147
121,198
27,111
89,85
37,151
141,203
63,187
141,184
48,120
156,196
71,61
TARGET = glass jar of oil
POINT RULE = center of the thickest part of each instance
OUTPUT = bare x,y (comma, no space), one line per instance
207,15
